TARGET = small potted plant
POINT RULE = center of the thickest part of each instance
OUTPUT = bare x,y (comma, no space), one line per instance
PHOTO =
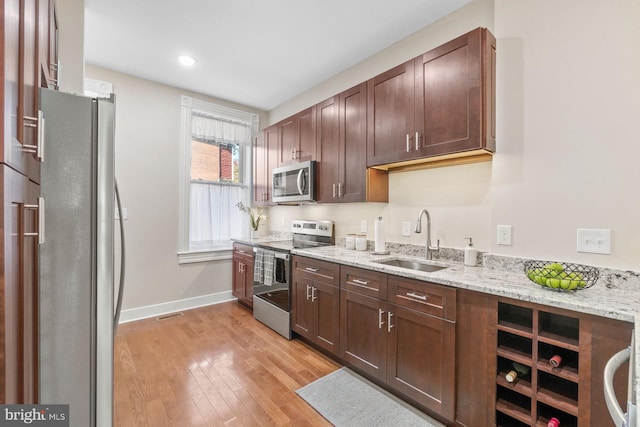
255,218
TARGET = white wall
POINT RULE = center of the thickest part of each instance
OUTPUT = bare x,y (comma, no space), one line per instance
568,100
147,167
70,14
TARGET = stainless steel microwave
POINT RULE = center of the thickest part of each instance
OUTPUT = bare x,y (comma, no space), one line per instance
294,183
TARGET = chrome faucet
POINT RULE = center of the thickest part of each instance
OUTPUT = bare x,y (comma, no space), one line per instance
430,249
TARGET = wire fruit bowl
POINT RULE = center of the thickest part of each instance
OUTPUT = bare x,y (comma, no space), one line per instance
562,276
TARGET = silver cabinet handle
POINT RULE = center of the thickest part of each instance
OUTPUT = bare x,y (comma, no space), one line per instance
389,325
308,292
417,141
380,321
38,124
240,251
339,189
313,270
56,67
414,295
334,190
408,143
360,282
39,208
313,293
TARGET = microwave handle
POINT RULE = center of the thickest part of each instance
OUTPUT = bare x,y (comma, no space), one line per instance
301,181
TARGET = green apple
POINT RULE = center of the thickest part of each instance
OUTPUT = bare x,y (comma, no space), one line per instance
582,283
573,285
565,283
540,280
553,283
554,266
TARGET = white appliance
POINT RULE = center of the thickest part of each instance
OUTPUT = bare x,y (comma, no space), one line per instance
76,260
620,418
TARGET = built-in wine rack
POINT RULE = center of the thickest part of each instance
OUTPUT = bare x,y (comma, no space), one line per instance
532,337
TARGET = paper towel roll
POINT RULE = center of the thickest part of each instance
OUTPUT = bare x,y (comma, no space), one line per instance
379,235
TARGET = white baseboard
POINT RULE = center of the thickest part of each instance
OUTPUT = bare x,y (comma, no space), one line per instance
171,307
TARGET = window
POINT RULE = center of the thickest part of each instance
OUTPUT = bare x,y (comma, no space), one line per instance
216,159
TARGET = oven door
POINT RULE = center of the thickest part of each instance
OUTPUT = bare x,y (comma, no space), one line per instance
271,278
294,183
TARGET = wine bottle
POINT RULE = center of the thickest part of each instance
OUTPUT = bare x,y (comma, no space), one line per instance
555,360
519,370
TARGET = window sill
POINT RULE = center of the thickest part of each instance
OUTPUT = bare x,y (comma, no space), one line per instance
218,254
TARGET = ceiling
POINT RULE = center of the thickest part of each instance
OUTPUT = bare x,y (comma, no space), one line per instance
259,53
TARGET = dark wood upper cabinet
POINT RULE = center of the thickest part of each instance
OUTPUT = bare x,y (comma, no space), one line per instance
390,115
438,107
297,141
454,95
265,159
342,149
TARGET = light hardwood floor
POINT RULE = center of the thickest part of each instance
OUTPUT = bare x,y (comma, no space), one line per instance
212,366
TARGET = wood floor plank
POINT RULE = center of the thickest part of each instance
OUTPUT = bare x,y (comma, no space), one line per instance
212,366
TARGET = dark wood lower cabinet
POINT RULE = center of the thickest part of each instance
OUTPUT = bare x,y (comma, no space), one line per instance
315,301
18,289
363,341
411,352
242,287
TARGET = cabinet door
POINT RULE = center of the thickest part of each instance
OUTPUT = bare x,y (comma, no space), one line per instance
12,311
288,144
248,281
391,115
326,301
307,134
451,96
238,288
43,43
28,87
363,333
475,358
421,358
265,160
328,151
302,317
352,181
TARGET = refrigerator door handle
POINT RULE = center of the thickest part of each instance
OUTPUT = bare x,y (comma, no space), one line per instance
116,318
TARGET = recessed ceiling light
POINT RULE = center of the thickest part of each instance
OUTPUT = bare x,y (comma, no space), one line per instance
186,60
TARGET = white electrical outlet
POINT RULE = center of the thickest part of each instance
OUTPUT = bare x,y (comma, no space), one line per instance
594,241
406,228
363,225
504,235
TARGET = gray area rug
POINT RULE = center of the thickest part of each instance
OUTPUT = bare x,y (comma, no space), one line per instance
346,399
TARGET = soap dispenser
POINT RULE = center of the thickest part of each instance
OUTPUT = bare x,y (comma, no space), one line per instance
470,254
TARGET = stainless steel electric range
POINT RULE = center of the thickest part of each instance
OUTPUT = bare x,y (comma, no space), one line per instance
272,272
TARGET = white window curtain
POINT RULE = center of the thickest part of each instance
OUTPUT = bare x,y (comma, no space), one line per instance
213,216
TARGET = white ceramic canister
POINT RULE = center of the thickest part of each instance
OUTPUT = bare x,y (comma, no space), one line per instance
351,241
361,242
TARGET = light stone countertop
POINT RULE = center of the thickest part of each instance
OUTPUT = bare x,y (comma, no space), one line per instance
615,299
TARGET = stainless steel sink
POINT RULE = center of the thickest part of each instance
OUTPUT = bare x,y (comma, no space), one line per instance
411,265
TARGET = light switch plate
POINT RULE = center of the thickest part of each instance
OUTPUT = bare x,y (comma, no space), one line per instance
363,225
504,235
406,228
594,241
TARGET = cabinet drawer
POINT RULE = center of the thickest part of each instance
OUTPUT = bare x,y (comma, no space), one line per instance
242,250
365,282
422,296
314,269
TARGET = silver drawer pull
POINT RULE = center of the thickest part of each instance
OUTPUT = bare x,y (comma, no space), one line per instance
420,297
380,321
389,325
408,143
313,293
240,251
313,270
40,209
360,282
308,292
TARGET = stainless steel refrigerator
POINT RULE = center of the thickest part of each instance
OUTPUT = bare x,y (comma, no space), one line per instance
76,259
